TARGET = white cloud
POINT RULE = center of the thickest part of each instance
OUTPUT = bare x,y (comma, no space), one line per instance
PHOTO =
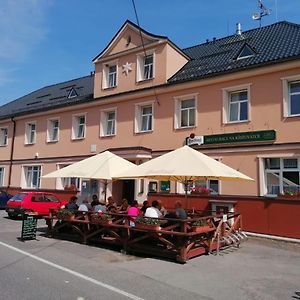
21,27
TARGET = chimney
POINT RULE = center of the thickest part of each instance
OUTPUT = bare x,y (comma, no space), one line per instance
238,29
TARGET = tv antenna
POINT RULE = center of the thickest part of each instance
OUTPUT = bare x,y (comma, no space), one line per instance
263,12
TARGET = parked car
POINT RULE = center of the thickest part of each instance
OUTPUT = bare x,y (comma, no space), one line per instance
38,202
4,197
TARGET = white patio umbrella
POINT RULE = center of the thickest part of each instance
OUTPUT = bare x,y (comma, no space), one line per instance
102,166
184,164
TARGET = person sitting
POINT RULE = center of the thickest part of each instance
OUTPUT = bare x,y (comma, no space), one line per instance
179,211
95,200
161,208
100,207
153,211
133,211
145,206
111,206
72,203
124,206
85,205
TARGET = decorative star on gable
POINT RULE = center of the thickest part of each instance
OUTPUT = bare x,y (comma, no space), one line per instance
127,68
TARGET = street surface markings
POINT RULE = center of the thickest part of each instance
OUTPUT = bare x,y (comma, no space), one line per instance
74,273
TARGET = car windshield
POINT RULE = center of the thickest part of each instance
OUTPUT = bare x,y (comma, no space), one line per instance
18,197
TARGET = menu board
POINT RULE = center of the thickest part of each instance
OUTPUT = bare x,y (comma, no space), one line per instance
29,225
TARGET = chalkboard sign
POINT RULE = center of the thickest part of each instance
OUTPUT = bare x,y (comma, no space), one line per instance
29,226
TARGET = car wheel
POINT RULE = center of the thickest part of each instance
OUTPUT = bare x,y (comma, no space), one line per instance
11,216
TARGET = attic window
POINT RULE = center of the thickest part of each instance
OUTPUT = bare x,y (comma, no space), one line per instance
72,94
246,52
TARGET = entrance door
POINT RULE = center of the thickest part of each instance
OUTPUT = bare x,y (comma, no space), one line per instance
128,190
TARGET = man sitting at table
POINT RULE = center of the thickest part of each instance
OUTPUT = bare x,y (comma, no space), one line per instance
179,211
153,211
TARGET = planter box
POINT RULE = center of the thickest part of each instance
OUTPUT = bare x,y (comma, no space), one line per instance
199,229
99,221
289,197
155,227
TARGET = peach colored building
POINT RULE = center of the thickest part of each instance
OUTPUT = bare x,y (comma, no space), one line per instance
236,99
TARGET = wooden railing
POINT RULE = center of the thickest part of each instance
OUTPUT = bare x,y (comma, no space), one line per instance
172,238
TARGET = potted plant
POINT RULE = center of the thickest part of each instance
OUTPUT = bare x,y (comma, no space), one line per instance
65,214
147,223
290,194
101,218
201,225
202,190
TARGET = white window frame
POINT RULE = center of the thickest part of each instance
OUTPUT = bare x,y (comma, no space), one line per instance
140,63
51,128
24,179
30,134
3,136
62,181
104,121
139,117
178,110
226,102
106,75
2,174
76,125
263,172
286,95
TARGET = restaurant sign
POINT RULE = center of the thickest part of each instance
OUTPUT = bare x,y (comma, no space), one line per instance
239,137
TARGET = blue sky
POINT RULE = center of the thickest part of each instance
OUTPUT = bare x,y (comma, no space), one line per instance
44,42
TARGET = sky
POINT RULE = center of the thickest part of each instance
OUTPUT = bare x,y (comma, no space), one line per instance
43,42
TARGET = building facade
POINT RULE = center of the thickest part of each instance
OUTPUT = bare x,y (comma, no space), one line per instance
236,99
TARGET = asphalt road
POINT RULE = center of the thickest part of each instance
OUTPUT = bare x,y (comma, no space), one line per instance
55,269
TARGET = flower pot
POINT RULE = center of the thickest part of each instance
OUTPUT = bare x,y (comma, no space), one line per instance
199,229
99,221
155,227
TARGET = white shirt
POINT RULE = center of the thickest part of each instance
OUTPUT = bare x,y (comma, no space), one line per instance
152,212
100,208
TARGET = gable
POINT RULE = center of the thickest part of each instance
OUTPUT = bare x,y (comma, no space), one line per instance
129,37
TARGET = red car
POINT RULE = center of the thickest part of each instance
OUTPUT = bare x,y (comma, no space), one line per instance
38,202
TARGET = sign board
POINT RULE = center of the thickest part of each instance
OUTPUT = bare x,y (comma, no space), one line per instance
233,138
240,137
165,186
29,226
197,140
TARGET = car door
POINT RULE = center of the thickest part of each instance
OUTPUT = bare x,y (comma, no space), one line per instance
51,202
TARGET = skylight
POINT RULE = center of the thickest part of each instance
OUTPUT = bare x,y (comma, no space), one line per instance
72,93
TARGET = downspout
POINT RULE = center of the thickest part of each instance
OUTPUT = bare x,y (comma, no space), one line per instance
11,152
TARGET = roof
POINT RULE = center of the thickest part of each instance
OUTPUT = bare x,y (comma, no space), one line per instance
52,96
270,44
142,31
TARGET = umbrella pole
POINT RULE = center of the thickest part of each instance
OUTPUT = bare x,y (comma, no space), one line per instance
105,190
185,190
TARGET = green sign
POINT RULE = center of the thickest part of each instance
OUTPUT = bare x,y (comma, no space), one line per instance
29,225
240,137
165,186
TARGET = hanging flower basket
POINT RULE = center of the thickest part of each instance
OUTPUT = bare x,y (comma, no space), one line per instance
70,187
201,190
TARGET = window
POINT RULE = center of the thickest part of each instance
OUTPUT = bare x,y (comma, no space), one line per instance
110,73
32,176
145,67
72,94
282,175
246,52
108,122
294,98
53,130
236,103
1,176
212,185
3,136
30,134
185,112
79,127
144,117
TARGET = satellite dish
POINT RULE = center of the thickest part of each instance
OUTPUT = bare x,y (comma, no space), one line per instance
256,16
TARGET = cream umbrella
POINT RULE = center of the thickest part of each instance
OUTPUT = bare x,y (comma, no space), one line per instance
184,164
103,166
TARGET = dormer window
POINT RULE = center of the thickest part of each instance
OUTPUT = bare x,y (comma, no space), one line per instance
145,67
110,75
72,93
246,52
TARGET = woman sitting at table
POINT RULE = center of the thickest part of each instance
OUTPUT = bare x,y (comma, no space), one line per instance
133,211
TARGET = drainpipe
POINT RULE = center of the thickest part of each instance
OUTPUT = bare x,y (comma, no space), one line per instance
11,152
